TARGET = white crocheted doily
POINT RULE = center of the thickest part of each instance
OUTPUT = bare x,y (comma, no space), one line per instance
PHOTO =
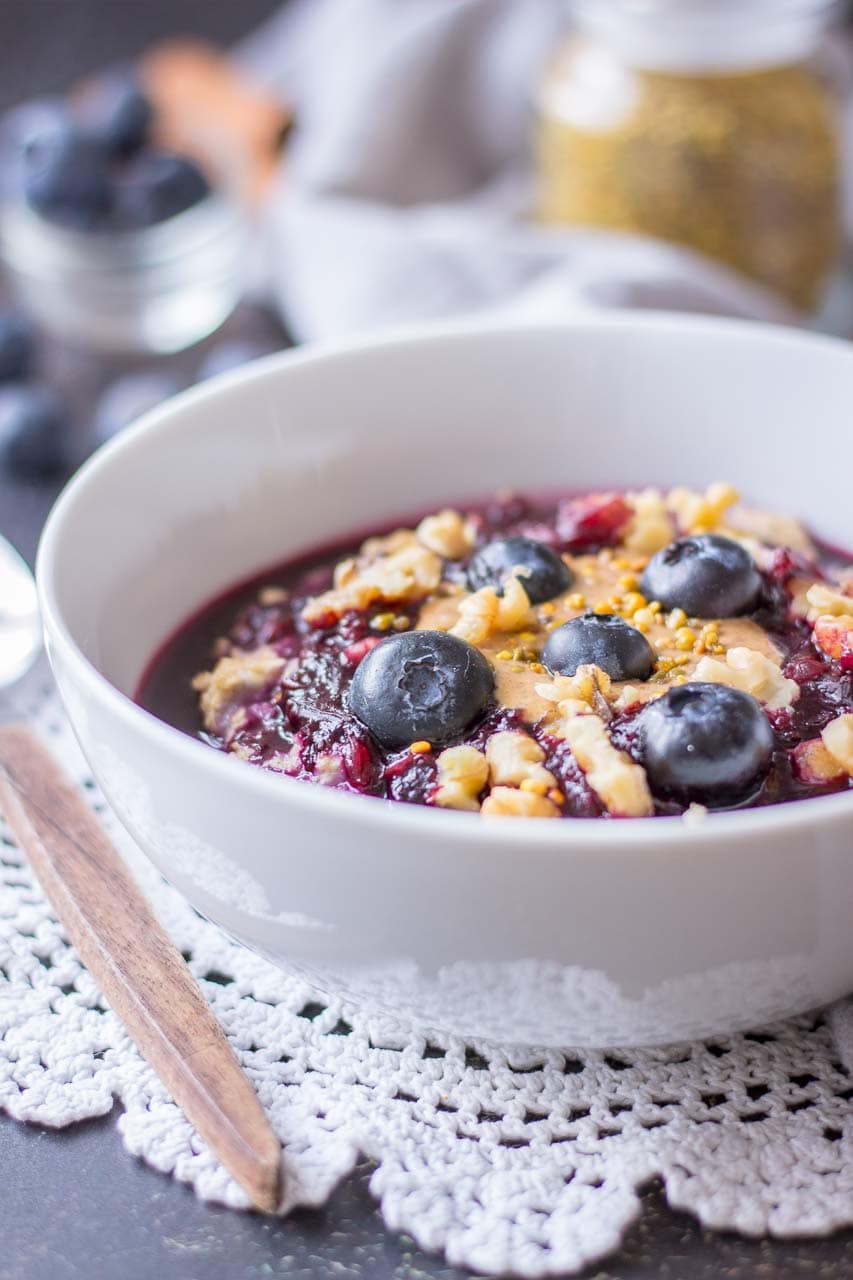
505,1161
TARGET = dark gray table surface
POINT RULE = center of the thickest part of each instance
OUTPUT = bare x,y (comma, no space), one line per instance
73,1203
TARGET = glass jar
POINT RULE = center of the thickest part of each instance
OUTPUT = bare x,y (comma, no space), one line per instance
152,289
708,123
158,289
155,290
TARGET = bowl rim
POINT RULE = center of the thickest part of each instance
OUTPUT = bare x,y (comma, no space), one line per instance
463,829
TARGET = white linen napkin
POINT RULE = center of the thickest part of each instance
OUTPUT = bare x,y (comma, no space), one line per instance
405,196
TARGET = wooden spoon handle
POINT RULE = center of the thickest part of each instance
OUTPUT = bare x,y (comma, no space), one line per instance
135,964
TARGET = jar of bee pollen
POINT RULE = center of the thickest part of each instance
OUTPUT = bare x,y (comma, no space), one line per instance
706,124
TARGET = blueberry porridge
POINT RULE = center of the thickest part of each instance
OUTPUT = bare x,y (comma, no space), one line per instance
609,655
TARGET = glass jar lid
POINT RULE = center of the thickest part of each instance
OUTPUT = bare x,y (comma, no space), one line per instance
707,35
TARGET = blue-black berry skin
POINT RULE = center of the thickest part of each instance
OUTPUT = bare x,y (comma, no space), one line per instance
604,639
547,573
28,128
707,575
118,113
34,429
706,743
420,686
17,346
68,182
157,185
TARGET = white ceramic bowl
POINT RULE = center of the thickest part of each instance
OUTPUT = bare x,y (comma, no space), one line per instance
552,933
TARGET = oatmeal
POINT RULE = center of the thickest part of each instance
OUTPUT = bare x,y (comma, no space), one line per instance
607,655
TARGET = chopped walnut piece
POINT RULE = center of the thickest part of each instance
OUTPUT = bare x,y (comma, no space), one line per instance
514,604
814,764
615,778
651,526
768,527
701,512
514,758
825,602
589,689
477,616
462,774
448,534
385,544
484,611
268,596
288,762
511,803
630,695
406,573
345,571
234,681
798,588
751,672
329,770
834,637
838,740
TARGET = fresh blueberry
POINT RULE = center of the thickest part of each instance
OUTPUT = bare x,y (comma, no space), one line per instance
17,346
116,111
229,354
704,742
548,575
67,181
603,638
707,576
156,185
27,128
421,685
128,398
33,431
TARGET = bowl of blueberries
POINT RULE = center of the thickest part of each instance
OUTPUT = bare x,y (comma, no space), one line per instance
109,236
499,677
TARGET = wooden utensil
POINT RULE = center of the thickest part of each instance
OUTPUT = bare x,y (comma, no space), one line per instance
135,964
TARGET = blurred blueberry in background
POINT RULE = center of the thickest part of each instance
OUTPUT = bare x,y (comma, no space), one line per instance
34,430
128,398
17,345
67,179
230,354
156,185
116,112
25,128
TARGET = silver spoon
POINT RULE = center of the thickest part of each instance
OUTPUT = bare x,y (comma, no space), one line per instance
20,631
